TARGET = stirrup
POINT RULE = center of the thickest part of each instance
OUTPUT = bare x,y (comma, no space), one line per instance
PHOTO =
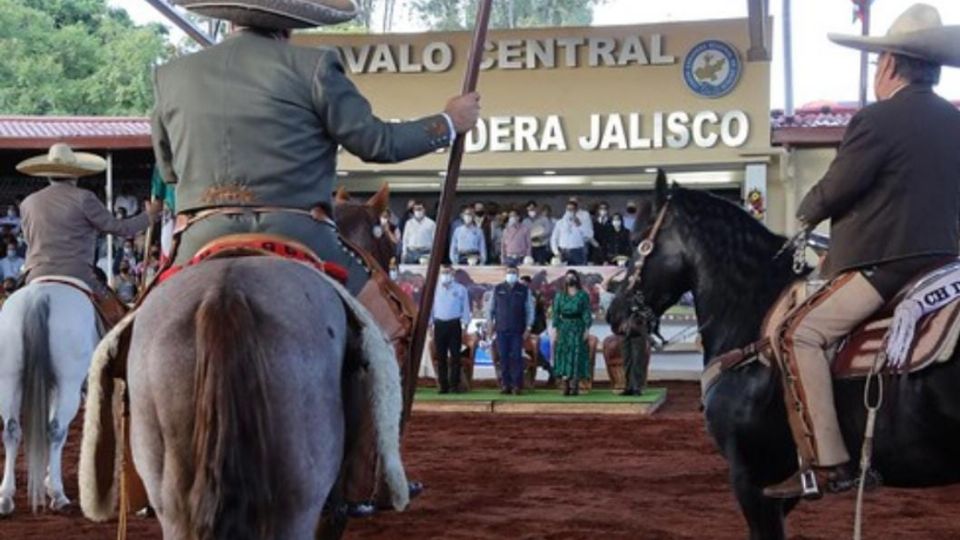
808,484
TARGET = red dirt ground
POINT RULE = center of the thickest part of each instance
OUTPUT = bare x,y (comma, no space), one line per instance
491,477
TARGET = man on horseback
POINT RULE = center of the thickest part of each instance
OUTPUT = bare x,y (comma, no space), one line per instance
61,223
892,197
249,131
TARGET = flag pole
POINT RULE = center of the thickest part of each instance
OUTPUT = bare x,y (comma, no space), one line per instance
444,216
865,31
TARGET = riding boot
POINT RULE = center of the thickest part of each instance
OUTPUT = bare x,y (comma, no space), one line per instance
575,386
566,387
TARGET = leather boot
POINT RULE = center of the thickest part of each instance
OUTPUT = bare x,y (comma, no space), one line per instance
806,484
575,387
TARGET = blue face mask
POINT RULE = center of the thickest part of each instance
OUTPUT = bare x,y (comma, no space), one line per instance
512,278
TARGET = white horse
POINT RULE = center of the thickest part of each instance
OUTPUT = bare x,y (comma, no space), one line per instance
48,332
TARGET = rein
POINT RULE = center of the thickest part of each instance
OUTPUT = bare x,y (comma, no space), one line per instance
645,249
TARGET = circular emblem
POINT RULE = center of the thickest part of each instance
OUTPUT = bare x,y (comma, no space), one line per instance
712,69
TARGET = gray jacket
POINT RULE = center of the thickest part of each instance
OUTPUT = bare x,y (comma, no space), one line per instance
257,121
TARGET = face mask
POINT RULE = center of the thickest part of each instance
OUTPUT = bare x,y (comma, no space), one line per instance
11,213
11,253
570,213
384,220
532,214
512,278
446,279
467,219
377,231
617,224
418,214
572,282
513,220
479,213
602,212
394,275
9,291
631,210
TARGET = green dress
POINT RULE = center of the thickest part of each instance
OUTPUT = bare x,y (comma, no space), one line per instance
572,317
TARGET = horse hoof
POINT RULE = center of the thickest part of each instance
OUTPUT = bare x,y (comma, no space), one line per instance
59,503
6,506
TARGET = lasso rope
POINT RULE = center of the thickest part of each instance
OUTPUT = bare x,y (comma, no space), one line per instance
866,450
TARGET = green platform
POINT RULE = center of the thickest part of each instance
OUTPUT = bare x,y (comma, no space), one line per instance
541,401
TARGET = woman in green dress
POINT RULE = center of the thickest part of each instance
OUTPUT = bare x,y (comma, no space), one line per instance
572,318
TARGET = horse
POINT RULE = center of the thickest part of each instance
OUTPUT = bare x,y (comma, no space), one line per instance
360,224
236,382
48,331
736,270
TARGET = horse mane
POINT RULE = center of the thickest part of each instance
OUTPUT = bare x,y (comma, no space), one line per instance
733,246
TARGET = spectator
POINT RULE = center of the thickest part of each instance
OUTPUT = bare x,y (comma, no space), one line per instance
538,327
126,254
418,236
11,219
451,315
129,204
516,245
630,220
620,247
635,347
603,234
569,240
541,229
510,313
9,287
572,317
468,244
146,270
586,220
482,217
497,224
125,284
12,263
387,228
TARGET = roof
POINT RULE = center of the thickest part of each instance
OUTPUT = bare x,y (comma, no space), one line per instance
814,126
81,132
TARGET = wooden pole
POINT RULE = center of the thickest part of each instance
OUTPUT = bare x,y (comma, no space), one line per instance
444,215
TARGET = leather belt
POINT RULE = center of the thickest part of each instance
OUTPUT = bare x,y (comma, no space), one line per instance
186,219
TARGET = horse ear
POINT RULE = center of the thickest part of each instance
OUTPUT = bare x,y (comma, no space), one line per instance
381,199
341,196
662,189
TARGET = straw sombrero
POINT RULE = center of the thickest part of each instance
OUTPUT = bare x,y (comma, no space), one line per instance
918,33
62,162
278,14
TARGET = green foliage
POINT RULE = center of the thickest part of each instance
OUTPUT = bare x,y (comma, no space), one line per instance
459,14
76,57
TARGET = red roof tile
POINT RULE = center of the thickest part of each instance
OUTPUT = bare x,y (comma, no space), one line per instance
101,133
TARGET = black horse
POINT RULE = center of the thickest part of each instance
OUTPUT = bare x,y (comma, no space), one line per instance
731,263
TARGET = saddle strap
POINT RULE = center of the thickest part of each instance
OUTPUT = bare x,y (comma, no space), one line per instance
734,358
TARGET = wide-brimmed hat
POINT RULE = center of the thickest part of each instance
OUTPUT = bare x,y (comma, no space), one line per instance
278,14
62,162
918,33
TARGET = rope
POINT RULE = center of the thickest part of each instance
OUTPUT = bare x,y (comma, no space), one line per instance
124,502
866,450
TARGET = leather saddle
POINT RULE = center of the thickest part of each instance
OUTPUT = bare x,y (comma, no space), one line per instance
934,341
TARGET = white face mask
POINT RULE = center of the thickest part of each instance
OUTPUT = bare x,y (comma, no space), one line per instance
602,212
467,219
513,220
532,214
394,275
571,214
418,214
617,224
11,253
446,279
512,278
384,220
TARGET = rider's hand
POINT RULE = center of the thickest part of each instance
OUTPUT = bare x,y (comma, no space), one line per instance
154,209
464,111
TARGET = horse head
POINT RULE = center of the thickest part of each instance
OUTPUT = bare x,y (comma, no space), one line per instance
662,276
360,224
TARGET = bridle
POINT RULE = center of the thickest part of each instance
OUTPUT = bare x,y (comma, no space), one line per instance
645,249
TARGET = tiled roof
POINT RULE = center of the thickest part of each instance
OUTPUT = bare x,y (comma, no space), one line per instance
102,133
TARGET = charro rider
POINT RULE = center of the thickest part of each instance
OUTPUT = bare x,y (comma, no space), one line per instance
61,223
249,131
893,199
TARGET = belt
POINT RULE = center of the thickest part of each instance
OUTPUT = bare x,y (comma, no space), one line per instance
186,219
445,321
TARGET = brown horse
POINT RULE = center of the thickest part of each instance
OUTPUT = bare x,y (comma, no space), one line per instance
236,393
359,223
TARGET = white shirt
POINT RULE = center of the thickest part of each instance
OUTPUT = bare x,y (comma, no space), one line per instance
586,224
419,234
567,235
10,268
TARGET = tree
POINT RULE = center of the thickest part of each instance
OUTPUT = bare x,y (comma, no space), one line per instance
76,57
458,14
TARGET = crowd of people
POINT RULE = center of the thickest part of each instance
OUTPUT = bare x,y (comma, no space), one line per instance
488,234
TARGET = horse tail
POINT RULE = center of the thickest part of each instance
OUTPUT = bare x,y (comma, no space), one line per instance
231,496
39,381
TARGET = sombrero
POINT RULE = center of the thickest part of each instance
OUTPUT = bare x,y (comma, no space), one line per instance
279,14
62,162
918,33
